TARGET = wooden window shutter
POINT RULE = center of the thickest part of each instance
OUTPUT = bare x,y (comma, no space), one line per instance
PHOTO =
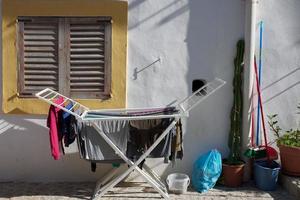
37,54
89,60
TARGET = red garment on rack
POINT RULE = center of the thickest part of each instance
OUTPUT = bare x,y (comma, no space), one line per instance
52,124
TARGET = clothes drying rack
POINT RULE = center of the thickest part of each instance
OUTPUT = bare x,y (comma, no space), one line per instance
85,114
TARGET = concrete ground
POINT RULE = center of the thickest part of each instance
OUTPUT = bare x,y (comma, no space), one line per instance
291,184
51,191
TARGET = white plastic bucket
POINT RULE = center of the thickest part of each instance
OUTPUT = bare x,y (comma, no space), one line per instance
178,183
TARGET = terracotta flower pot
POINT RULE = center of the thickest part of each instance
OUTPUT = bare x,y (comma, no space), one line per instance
290,160
233,174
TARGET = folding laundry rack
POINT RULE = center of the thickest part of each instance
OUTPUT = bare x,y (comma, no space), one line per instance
84,114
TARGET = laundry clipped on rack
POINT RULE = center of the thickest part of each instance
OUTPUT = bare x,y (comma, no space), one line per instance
92,117
62,127
52,124
132,137
143,133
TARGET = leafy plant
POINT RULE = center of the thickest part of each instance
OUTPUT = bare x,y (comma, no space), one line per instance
234,140
289,138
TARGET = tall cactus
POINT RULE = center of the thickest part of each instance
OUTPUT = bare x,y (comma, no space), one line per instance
235,135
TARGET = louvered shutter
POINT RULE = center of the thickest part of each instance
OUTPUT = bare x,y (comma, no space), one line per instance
37,54
69,55
89,57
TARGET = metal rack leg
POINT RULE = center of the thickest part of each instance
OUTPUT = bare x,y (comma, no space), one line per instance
149,171
155,185
104,180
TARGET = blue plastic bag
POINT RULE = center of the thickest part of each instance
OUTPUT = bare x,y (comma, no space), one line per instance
206,171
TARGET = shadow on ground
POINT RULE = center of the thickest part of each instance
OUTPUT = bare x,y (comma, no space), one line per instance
132,190
58,190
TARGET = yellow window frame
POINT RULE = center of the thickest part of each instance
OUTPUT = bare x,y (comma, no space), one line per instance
11,9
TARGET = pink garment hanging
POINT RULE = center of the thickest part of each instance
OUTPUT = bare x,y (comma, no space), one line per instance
52,124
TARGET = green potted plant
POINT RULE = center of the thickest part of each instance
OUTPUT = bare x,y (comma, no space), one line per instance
289,146
233,166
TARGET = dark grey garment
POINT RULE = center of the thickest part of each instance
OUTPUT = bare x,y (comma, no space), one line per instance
145,124
93,146
116,130
141,138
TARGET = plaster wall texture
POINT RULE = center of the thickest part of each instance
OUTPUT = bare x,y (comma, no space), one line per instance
194,40
281,60
170,43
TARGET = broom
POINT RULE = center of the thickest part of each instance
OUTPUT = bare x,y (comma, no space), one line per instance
255,152
261,151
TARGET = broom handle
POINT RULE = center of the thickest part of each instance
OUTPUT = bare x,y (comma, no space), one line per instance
261,107
252,121
259,79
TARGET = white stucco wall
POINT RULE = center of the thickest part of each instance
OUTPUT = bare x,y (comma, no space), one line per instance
170,43
194,40
281,60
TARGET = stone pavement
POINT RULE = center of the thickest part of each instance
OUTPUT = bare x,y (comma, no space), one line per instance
291,184
72,191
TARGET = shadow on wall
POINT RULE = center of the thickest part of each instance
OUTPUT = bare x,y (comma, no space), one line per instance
164,11
287,88
25,154
214,28
287,78
25,150
23,146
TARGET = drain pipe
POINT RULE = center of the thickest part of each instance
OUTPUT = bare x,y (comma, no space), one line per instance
250,28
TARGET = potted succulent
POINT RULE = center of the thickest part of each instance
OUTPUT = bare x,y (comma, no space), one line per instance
233,166
289,147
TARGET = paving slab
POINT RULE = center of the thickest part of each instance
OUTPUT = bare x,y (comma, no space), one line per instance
132,190
291,184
